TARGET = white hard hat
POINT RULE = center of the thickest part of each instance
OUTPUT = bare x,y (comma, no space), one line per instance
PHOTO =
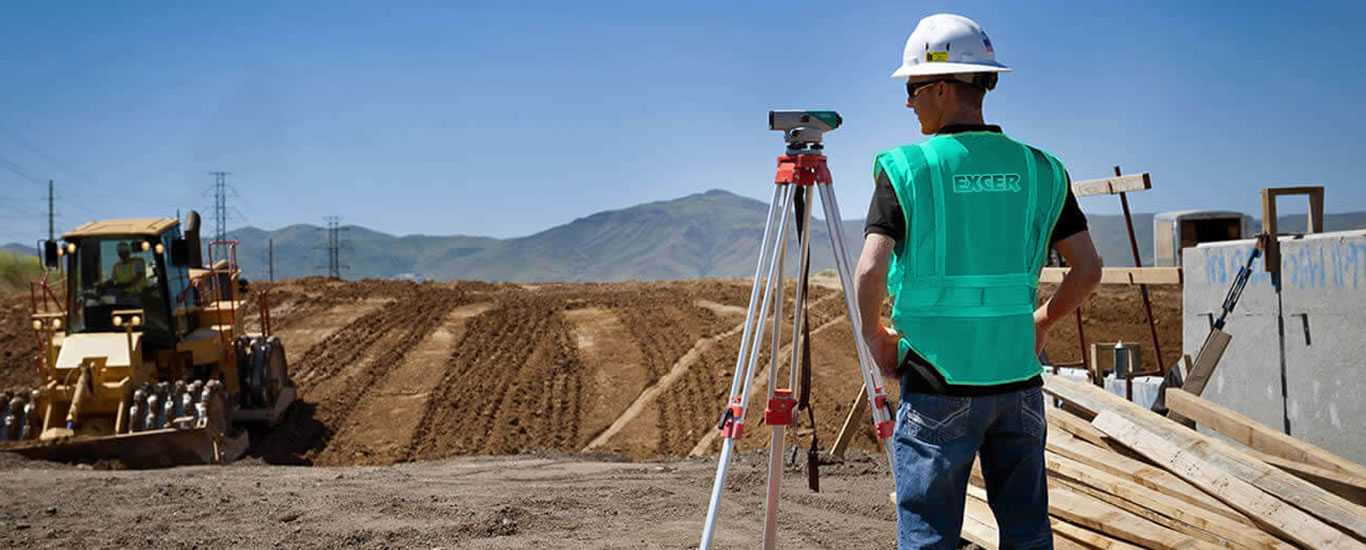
944,44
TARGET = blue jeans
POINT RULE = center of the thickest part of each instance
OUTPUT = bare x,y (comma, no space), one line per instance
935,441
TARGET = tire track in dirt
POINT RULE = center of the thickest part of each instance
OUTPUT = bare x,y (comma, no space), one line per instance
612,365
667,324
651,393
347,364
479,380
381,426
820,318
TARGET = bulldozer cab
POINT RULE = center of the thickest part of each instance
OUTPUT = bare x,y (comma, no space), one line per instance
109,273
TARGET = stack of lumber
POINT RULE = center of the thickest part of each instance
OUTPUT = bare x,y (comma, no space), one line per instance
1123,477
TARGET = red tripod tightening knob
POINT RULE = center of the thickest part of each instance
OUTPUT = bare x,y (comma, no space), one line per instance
780,407
733,423
802,169
885,428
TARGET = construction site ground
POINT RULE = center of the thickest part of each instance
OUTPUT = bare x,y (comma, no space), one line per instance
498,416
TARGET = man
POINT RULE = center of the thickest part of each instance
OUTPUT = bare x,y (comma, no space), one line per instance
130,273
957,232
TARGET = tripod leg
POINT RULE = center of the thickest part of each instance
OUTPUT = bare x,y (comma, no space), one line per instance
872,378
732,423
779,413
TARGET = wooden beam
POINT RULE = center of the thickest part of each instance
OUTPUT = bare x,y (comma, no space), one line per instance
1138,472
1113,185
1077,427
1164,510
852,421
1256,435
1165,522
979,524
1088,538
1099,515
1122,275
1351,488
1307,496
1198,376
1285,520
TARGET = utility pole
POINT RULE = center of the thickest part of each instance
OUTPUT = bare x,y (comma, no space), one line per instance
50,232
270,247
220,205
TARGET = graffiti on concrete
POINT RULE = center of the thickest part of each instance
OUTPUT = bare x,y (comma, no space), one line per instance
1327,264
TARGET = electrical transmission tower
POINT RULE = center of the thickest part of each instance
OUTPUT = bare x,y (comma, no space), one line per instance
220,205
334,246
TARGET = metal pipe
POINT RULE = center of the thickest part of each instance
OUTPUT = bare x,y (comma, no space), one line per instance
1142,287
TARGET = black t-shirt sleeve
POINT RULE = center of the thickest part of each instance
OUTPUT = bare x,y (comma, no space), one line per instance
1071,221
884,211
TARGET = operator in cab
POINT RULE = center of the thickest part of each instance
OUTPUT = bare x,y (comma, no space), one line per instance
130,272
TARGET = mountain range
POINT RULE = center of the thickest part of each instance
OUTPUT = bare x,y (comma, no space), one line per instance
711,234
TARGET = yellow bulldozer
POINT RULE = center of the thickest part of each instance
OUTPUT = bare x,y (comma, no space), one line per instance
144,357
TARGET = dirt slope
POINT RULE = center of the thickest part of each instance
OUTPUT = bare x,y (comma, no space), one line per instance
397,371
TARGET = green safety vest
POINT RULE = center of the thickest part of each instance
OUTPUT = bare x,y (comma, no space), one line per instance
125,272
980,208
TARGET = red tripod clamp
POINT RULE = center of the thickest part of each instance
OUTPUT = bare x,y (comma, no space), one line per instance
802,169
884,429
780,407
732,424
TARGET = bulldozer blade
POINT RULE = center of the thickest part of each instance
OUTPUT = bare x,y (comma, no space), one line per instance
151,449
270,416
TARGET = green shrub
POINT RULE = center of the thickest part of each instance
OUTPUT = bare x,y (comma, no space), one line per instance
16,270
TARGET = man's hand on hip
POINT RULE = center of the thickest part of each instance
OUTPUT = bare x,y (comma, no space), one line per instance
882,343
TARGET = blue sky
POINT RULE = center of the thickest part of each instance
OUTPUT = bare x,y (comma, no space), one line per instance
507,118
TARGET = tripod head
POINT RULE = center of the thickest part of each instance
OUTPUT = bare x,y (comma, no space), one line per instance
802,130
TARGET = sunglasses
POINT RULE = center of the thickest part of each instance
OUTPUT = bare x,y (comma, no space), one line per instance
913,88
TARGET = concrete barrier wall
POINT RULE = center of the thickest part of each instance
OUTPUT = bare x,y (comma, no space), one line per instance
1323,339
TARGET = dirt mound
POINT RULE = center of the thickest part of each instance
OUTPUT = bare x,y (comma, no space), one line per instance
18,345
398,371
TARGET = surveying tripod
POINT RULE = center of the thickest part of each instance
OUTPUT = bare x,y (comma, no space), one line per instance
800,171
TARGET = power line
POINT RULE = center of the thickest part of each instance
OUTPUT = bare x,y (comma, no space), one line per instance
17,169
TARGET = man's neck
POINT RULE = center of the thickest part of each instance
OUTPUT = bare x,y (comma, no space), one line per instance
965,116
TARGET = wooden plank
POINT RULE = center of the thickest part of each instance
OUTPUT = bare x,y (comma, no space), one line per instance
979,533
1307,496
1256,435
1086,537
1186,463
1077,427
1159,519
1353,489
851,421
1141,473
1205,361
1164,510
1112,185
1096,514
979,524
1198,376
1122,275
